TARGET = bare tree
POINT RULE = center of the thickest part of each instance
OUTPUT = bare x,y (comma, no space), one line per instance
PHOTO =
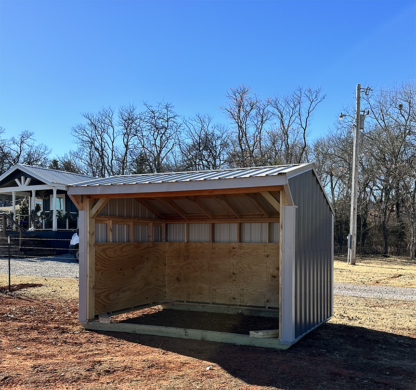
287,140
22,150
157,135
206,144
248,116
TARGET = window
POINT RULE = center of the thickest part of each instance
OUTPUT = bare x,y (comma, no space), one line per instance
60,203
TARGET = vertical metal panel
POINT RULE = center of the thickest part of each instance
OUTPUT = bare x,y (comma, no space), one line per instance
226,232
120,233
253,232
274,232
157,233
199,232
313,253
126,207
175,232
287,310
140,233
100,232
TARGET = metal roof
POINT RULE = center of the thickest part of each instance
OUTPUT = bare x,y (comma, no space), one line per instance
195,176
49,176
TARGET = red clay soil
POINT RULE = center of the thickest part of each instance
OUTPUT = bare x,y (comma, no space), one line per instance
43,346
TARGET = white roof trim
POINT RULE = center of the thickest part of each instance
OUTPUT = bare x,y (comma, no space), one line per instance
25,170
278,180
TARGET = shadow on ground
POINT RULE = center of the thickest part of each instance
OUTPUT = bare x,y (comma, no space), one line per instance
331,357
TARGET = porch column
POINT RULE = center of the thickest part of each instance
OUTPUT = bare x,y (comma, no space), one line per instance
33,203
14,207
54,221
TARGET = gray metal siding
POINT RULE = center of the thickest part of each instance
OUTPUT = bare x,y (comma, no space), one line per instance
274,232
225,232
313,275
254,232
126,207
175,232
100,232
120,233
199,232
140,233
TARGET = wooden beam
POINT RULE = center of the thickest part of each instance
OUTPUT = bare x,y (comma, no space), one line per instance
99,206
90,261
151,208
110,231
197,219
172,204
77,202
201,206
180,194
194,334
212,232
239,232
229,205
272,200
255,200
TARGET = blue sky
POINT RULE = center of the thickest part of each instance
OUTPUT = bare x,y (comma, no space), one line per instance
61,58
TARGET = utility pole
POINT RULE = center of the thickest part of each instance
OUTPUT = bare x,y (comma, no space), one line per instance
352,247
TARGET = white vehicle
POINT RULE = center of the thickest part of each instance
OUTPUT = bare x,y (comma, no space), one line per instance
74,246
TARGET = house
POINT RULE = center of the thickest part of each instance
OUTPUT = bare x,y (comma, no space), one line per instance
251,241
45,188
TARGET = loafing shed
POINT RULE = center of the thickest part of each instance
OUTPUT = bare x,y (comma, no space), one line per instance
236,243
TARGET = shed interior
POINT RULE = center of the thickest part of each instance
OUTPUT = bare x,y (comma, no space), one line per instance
213,252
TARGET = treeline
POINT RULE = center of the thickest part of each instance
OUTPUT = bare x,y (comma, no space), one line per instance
260,132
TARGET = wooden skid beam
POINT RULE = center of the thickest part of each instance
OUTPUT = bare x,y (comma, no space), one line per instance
272,200
151,208
193,334
180,194
172,204
99,206
254,198
229,205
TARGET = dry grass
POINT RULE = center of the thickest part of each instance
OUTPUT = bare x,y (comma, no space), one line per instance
376,270
66,288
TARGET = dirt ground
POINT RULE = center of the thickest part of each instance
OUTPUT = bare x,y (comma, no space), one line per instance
368,344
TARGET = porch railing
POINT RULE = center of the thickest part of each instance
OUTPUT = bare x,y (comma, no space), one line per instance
40,223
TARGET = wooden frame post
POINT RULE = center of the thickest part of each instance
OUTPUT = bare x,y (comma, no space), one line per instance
90,257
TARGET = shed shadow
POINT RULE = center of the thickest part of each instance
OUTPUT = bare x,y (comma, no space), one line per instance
333,356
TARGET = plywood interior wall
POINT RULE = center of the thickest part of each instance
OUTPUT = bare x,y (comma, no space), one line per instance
133,274
129,274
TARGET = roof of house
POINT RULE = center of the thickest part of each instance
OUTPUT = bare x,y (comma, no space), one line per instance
49,176
195,176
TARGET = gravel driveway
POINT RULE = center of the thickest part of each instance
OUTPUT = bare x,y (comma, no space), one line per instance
62,266
66,266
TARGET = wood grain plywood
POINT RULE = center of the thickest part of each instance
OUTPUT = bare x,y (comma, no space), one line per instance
225,273
129,274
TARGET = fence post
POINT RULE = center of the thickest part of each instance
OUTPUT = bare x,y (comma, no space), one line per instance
8,240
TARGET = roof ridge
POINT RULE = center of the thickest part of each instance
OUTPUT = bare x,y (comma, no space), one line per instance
205,171
55,170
